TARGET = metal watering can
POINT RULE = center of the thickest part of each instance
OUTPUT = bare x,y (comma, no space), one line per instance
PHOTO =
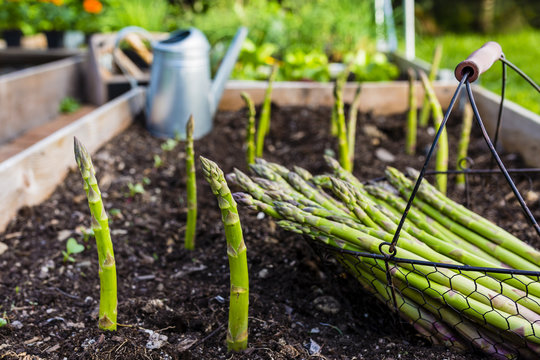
180,83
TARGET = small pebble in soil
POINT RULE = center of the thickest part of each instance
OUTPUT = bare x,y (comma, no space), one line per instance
17,325
263,274
156,340
327,304
219,299
3,248
384,155
312,347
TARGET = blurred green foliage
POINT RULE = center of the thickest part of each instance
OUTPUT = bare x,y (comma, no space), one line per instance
521,48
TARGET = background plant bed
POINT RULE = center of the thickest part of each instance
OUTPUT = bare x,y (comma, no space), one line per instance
295,301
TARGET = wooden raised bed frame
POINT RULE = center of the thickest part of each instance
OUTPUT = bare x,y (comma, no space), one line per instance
30,176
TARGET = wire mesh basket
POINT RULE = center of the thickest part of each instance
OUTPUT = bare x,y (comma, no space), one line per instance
446,303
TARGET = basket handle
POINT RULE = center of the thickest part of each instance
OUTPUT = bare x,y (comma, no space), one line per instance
479,61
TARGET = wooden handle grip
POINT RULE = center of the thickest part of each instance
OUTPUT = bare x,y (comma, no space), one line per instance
479,61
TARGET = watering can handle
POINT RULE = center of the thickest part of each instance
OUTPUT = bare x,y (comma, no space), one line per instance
119,37
479,61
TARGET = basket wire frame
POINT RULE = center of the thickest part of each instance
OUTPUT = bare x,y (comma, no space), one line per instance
431,296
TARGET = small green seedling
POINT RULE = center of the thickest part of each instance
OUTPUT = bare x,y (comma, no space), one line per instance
86,232
169,145
146,181
72,247
3,322
135,189
157,161
115,212
69,105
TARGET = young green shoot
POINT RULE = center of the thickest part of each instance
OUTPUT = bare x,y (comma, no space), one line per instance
424,114
441,160
72,247
410,139
191,188
135,189
351,126
463,146
264,119
100,224
250,133
237,333
343,147
158,162
169,144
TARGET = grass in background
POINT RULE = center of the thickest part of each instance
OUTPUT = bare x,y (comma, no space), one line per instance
520,48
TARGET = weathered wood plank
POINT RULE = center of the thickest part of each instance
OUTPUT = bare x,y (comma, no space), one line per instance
32,175
30,97
380,98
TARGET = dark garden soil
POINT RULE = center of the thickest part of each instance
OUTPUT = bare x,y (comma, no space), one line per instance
173,303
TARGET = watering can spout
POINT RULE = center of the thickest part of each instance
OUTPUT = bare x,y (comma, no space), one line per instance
227,65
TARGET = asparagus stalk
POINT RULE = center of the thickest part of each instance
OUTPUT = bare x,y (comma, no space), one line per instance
191,187
100,225
340,172
463,145
264,119
437,55
471,220
441,160
237,333
250,134
351,125
343,147
410,139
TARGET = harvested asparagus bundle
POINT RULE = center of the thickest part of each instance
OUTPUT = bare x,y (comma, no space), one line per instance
474,299
100,225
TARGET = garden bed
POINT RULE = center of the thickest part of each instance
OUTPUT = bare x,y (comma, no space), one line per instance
297,302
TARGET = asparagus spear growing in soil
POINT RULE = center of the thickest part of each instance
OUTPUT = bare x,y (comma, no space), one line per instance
463,145
250,136
351,125
264,120
237,333
191,187
441,160
100,225
343,147
437,55
410,139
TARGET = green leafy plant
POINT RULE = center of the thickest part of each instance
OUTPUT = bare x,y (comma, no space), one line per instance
169,145
69,105
152,15
3,322
135,189
72,247
15,15
237,332
100,224
58,15
158,162
191,188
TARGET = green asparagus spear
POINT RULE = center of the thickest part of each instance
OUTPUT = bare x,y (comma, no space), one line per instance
424,114
441,160
100,225
351,125
237,333
191,188
264,120
250,133
410,139
463,145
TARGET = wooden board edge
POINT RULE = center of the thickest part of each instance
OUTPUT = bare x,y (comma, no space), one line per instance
380,98
32,175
